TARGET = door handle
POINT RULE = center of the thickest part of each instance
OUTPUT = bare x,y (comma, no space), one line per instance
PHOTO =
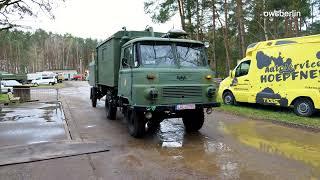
246,80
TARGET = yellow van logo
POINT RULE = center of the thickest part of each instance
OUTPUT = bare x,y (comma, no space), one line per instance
268,97
271,101
285,70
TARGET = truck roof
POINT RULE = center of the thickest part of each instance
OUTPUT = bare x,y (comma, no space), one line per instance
136,36
162,39
131,35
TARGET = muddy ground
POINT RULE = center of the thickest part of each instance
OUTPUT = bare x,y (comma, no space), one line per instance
227,147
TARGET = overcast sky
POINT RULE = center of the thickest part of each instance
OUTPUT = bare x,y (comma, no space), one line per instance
98,18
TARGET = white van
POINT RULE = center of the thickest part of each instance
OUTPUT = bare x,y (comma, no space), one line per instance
47,80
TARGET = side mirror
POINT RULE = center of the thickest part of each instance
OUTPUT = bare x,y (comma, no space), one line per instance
206,44
125,62
232,74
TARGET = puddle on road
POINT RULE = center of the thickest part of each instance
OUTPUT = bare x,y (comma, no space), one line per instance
31,122
194,151
213,157
290,143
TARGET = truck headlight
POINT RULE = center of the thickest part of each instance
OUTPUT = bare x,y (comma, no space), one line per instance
211,91
151,93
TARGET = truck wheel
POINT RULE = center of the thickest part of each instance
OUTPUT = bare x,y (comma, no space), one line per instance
111,111
93,97
154,124
228,98
193,121
136,123
303,107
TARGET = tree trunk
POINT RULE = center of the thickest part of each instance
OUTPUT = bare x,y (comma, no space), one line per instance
241,27
198,19
265,22
182,14
296,24
226,40
214,64
189,17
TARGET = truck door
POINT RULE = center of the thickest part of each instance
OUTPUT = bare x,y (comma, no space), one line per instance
241,83
125,73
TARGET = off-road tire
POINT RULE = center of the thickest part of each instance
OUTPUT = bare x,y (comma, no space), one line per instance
154,124
111,110
228,98
136,123
193,120
93,97
303,107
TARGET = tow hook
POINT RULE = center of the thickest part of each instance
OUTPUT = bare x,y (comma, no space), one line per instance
209,110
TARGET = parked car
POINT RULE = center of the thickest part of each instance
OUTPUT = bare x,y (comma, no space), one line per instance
77,77
60,77
11,83
44,80
5,89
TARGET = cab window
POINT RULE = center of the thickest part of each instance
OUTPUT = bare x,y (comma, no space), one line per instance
127,56
135,58
243,68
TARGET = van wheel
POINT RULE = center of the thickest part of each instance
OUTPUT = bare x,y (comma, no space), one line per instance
303,107
193,121
93,97
111,110
228,98
136,123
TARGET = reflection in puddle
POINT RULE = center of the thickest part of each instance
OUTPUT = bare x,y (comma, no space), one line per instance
196,151
171,133
172,144
287,142
90,126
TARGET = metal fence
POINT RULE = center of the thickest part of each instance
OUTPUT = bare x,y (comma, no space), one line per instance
37,94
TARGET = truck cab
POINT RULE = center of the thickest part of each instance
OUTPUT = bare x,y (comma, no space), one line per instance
160,78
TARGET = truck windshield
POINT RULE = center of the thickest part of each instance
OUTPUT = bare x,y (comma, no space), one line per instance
191,55
172,55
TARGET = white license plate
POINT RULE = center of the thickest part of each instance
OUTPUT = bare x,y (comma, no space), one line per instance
185,106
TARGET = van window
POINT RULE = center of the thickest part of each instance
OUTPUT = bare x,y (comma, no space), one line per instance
243,68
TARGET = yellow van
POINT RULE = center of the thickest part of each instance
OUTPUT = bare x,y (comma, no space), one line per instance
283,72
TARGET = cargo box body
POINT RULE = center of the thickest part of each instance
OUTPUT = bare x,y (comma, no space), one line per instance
108,56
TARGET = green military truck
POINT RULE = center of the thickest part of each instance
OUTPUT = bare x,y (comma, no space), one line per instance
151,76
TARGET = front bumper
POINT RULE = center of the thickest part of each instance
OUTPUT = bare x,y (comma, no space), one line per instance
172,108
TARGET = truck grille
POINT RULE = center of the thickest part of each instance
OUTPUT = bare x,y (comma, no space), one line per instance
182,91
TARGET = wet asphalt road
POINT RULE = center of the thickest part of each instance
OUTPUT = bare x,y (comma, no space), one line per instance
31,123
227,147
